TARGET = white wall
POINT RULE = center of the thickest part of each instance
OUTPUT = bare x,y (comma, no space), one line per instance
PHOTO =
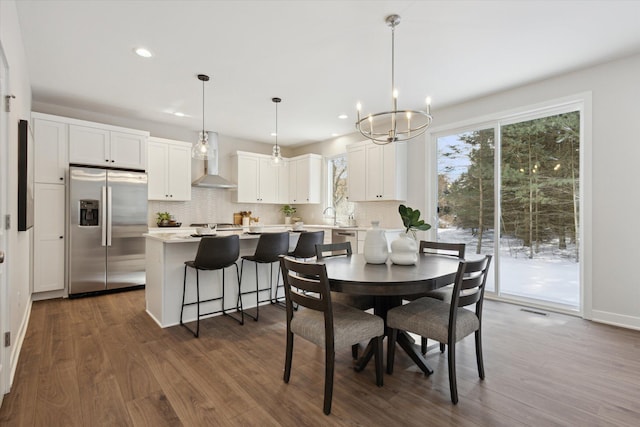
18,243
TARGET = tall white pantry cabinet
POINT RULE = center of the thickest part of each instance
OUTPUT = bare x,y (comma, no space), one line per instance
59,141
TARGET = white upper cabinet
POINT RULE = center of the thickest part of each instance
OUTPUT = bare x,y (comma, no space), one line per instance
248,176
106,147
268,181
258,178
377,172
50,150
305,175
297,180
283,183
168,170
357,173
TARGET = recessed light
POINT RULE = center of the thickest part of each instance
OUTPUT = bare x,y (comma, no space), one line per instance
274,134
343,116
179,114
141,51
334,135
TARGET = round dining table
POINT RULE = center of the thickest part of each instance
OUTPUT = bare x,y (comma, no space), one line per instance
389,282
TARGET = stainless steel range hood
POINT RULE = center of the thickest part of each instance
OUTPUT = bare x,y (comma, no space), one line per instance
211,179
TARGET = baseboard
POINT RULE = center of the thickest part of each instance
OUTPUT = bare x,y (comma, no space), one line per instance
621,320
16,345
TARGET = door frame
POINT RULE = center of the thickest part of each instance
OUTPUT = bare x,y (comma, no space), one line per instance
4,177
584,102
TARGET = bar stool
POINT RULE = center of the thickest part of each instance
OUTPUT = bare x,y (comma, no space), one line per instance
305,249
214,253
270,247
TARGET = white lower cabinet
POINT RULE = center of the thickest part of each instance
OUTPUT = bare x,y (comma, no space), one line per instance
168,170
48,237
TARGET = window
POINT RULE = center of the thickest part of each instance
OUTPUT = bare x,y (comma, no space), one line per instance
337,186
511,188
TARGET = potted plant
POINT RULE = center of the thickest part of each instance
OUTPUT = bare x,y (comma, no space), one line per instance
404,250
163,218
288,212
411,220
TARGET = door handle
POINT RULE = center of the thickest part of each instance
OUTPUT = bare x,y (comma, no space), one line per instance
1,257
104,216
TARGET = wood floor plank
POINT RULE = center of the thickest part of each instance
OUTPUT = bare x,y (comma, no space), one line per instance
103,361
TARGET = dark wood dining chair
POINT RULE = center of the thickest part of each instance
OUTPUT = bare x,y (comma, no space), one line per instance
361,302
446,322
444,293
321,321
214,253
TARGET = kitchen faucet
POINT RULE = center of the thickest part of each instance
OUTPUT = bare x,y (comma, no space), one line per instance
335,221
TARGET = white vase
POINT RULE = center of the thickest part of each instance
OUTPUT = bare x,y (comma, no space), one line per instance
376,249
404,250
287,220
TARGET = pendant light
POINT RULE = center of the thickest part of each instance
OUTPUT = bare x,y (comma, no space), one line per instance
201,149
276,157
395,125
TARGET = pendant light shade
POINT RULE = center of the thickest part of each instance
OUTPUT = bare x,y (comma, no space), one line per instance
276,157
201,149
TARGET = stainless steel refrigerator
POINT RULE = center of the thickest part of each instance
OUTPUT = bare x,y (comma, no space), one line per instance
107,218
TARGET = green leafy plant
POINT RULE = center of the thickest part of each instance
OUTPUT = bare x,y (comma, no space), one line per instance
411,220
288,210
163,216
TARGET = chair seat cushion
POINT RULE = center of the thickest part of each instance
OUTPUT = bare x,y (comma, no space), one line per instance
350,326
429,318
361,302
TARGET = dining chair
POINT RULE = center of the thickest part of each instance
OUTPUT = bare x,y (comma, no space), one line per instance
446,322
270,247
324,323
361,302
305,249
214,253
444,293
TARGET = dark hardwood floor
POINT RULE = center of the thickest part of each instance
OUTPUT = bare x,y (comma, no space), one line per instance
103,362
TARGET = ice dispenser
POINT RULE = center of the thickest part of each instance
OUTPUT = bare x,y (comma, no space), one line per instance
89,213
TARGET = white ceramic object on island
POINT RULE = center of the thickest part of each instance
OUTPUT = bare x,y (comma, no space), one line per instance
298,225
255,229
376,249
404,250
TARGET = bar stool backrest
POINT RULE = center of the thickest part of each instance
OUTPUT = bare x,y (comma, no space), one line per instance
306,246
217,252
271,246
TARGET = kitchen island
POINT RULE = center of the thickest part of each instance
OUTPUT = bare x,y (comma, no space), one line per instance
167,249
165,257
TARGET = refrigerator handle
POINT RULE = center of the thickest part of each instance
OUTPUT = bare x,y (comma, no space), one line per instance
104,216
109,218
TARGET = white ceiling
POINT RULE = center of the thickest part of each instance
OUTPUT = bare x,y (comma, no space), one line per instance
320,57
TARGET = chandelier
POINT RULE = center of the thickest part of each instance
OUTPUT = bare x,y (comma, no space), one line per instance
276,157
395,125
201,149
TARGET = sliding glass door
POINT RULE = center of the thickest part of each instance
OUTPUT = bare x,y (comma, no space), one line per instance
520,177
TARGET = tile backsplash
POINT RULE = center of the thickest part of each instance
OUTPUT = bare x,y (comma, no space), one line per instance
214,205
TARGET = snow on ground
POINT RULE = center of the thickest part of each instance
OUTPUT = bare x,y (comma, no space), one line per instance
552,275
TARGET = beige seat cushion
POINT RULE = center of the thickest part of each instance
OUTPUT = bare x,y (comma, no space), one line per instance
350,326
429,318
